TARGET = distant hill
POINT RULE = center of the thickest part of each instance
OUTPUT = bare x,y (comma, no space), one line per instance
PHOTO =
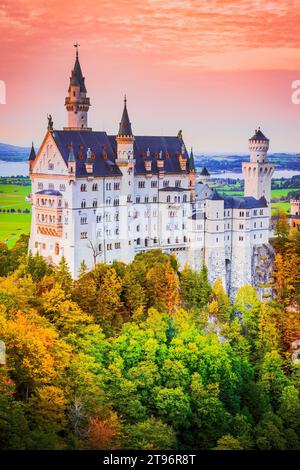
12,153
215,163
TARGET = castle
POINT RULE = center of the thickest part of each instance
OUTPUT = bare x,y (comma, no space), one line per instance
99,198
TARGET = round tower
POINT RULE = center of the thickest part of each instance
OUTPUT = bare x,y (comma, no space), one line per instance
258,171
258,146
77,103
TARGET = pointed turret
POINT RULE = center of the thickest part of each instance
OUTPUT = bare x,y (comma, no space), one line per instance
31,157
71,163
77,103
125,125
77,79
32,154
192,167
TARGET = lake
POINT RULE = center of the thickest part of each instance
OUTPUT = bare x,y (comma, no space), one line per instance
22,168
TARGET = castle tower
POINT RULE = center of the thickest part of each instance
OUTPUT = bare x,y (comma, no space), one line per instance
192,175
125,161
77,103
258,172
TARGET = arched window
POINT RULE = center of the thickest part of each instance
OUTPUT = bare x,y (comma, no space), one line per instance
83,204
83,188
168,198
95,187
138,241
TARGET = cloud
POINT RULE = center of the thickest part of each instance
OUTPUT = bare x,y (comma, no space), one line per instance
185,32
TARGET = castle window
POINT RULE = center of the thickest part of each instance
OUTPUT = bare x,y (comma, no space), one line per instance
108,186
217,240
166,184
56,250
83,220
241,226
254,224
117,246
128,197
185,239
154,198
100,247
255,212
141,184
116,202
98,218
95,187
217,228
153,184
184,199
154,240
138,241
50,165
83,204
109,246
108,201
137,199
146,199
241,239
117,186
117,216
62,187
242,214
83,188
95,203
137,228
168,198
261,212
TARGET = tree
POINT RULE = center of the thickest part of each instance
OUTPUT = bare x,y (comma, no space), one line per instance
63,276
247,305
104,433
94,248
151,434
109,305
163,288
228,442
220,303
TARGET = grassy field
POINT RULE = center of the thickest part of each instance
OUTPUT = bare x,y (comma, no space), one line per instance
280,207
12,225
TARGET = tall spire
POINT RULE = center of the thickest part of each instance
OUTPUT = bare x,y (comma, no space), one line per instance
77,103
32,154
77,79
192,161
125,125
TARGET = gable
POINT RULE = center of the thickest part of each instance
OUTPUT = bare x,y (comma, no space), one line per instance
49,159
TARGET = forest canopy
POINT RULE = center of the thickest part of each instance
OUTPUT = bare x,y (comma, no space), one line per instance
147,355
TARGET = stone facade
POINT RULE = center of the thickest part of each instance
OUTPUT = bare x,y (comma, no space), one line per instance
100,198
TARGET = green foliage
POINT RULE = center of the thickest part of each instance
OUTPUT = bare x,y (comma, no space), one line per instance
143,356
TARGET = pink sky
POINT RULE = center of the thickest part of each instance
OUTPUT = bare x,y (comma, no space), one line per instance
215,69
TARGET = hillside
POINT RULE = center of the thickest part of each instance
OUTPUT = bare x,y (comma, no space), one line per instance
284,161
12,153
